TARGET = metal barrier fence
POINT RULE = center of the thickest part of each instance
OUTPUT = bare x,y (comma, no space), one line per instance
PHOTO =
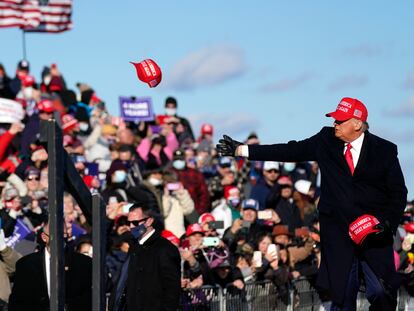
264,296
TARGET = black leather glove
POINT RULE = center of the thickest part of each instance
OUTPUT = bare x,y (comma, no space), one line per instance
227,146
382,237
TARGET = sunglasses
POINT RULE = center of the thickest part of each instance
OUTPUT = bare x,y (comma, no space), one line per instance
136,222
340,122
33,178
272,171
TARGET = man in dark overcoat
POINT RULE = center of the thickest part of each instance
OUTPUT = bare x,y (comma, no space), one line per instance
31,288
150,278
361,175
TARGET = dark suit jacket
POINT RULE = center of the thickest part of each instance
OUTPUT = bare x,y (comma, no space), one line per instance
29,291
153,276
377,188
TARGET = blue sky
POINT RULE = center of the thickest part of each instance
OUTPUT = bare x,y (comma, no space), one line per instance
275,67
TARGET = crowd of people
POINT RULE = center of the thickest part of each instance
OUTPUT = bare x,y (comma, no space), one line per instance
233,220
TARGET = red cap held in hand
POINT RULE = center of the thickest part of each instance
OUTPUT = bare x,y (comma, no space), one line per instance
362,227
149,72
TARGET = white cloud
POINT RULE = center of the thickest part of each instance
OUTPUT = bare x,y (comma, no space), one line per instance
287,83
409,81
406,109
205,67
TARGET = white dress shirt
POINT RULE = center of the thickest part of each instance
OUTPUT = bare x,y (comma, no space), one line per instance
145,238
47,267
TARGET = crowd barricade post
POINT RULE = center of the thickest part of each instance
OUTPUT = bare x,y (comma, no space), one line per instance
55,199
305,297
99,252
62,175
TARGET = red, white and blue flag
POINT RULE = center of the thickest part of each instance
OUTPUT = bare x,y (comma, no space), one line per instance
29,15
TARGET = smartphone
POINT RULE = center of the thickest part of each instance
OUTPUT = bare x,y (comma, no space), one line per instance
257,257
126,207
273,248
267,214
173,186
302,232
112,200
219,224
246,224
210,241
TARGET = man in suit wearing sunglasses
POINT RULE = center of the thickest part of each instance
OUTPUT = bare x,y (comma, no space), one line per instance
150,277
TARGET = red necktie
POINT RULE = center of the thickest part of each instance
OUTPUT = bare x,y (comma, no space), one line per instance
348,158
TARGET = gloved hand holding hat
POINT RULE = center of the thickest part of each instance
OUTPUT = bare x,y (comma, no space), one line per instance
368,227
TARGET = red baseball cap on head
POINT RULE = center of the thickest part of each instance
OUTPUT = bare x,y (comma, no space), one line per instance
349,108
206,217
46,105
362,227
170,237
231,192
194,228
206,129
149,72
28,81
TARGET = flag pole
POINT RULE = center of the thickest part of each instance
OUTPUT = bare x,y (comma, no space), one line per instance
24,44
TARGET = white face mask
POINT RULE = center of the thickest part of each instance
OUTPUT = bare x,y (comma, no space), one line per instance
154,181
119,176
83,126
47,79
179,164
289,166
170,111
28,92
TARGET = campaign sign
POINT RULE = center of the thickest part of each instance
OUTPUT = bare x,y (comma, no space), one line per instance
19,233
10,111
136,108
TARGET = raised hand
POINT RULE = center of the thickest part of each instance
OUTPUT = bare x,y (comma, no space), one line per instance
227,146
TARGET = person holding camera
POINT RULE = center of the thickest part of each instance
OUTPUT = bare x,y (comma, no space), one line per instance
363,196
176,204
246,228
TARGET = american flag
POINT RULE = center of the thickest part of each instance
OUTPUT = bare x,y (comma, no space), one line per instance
29,15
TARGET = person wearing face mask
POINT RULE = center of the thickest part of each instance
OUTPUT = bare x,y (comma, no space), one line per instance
31,289
228,208
194,182
118,190
246,228
171,110
150,277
